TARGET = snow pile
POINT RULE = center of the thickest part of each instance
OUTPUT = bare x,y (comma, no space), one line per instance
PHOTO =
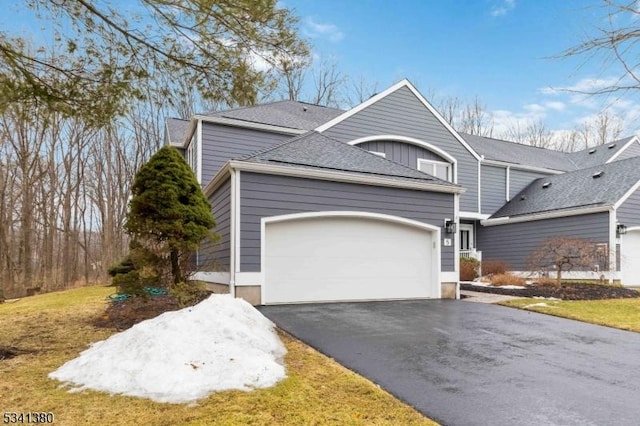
221,343
535,305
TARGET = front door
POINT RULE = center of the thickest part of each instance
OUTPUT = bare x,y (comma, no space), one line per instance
466,238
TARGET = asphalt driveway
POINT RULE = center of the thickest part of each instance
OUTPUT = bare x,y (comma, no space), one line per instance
475,364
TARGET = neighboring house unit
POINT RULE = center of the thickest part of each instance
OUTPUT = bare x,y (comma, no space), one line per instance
380,201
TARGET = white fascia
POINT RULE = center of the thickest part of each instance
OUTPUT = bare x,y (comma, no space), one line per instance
625,146
628,194
545,215
473,216
339,176
522,167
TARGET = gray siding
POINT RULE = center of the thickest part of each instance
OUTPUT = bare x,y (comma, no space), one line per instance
401,113
632,150
222,143
215,257
268,195
401,152
514,242
520,179
493,184
629,212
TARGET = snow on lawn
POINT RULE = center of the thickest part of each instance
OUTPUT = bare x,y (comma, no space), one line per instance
181,356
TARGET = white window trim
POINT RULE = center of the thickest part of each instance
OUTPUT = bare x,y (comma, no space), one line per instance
379,154
449,166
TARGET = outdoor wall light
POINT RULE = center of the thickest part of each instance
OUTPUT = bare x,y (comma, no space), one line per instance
450,226
621,229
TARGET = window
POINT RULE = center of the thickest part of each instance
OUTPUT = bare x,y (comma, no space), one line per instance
438,169
192,154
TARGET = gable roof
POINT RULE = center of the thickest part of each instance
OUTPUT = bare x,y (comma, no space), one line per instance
517,153
401,84
527,155
598,154
317,151
575,190
291,114
176,129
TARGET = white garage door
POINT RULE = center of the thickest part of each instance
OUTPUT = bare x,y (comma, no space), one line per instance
630,258
348,258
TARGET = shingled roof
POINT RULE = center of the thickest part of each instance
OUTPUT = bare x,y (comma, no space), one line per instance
597,155
292,114
317,151
517,153
176,130
577,189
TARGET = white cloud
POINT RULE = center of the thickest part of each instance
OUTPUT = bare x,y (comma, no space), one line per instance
555,105
318,30
502,8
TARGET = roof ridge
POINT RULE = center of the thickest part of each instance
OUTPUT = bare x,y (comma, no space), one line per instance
271,148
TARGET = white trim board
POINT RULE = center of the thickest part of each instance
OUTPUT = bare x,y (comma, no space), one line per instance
522,167
250,125
545,215
627,194
631,141
340,176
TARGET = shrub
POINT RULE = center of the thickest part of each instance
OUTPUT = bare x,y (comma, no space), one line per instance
545,281
494,267
468,269
187,293
507,279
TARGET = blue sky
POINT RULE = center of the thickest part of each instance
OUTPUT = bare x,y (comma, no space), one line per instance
498,50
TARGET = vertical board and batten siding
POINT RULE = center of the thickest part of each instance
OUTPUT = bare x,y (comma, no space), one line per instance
632,150
520,179
629,212
222,143
401,152
215,256
513,243
493,187
269,195
401,113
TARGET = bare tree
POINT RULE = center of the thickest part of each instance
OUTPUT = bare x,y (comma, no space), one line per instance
563,254
615,44
328,81
534,133
360,90
475,119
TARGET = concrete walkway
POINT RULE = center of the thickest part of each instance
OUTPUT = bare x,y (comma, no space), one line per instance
476,296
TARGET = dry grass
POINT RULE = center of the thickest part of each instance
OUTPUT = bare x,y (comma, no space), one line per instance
507,279
494,267
54,328
618,313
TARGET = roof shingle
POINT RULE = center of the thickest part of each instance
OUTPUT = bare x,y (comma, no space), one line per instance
575,189
317,151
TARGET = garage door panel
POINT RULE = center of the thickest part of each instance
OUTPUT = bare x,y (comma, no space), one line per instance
630,258
338,258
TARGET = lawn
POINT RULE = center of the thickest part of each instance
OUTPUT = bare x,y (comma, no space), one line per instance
618,313
50,329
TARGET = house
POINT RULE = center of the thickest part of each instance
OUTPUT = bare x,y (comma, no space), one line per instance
379,202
